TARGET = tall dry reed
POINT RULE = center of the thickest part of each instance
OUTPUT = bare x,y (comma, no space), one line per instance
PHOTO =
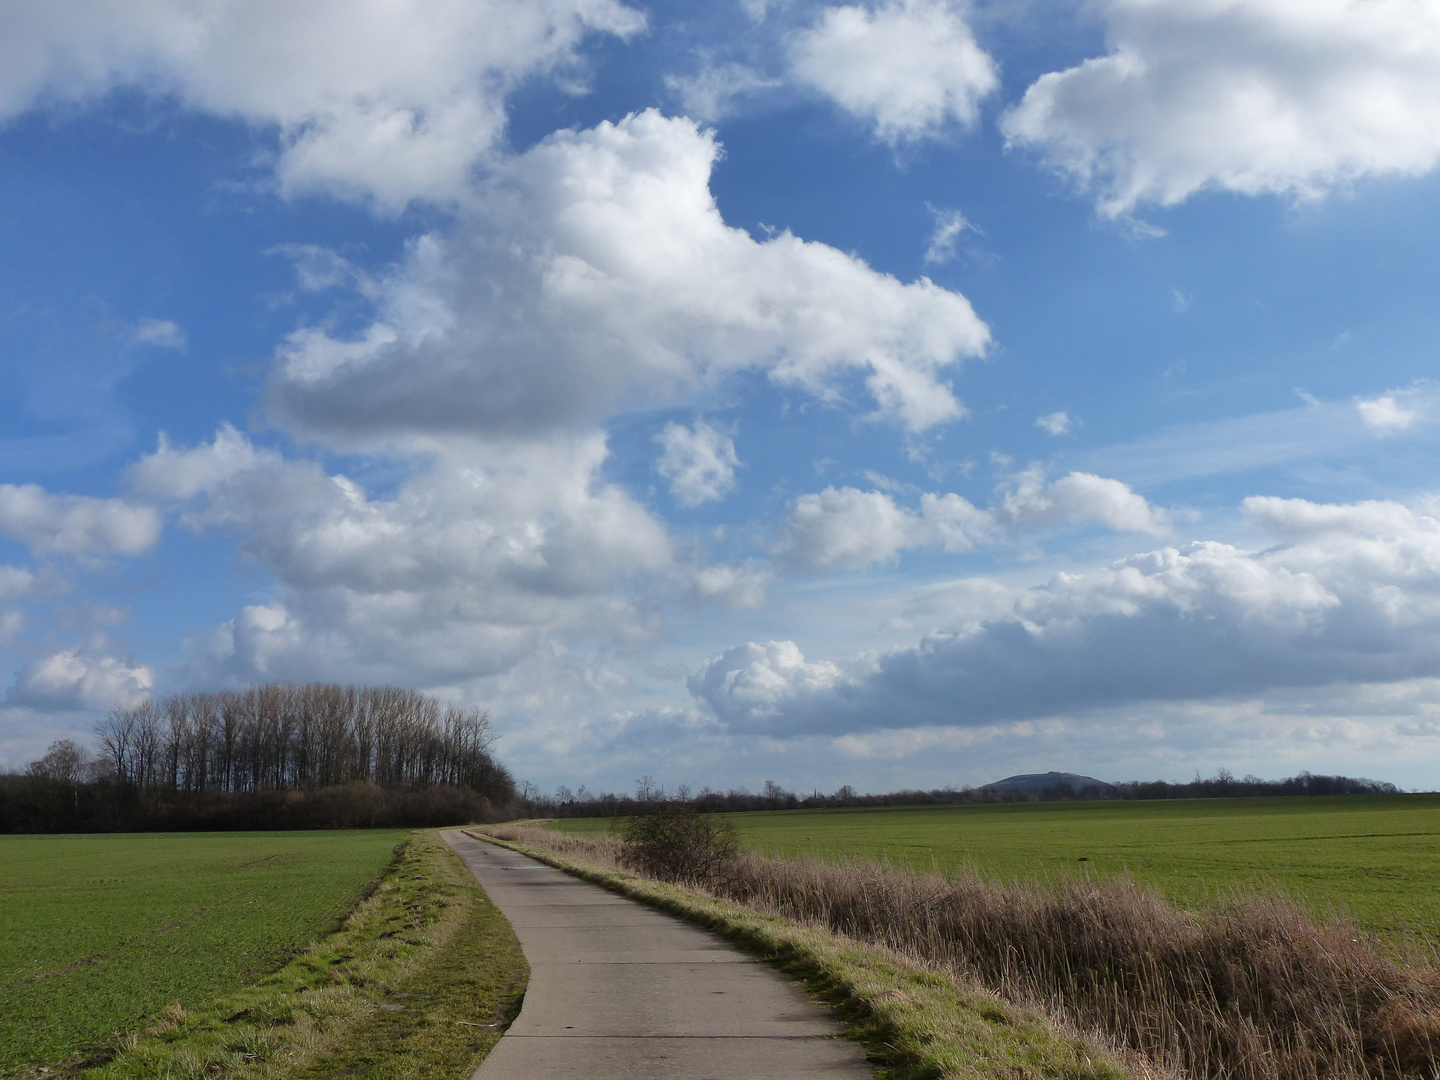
1253,989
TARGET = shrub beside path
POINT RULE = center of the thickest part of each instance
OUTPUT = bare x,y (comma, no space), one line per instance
621,990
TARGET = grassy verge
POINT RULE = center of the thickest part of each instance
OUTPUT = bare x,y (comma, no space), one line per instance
421,979
916,1022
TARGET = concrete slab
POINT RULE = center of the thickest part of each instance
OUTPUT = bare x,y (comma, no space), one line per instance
660,999
521,1058
621,990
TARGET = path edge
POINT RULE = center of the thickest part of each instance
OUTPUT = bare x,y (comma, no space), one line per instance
914,1023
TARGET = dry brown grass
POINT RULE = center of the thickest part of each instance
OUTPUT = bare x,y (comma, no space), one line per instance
1254,989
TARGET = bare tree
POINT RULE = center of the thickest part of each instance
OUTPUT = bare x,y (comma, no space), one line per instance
65,760
283,737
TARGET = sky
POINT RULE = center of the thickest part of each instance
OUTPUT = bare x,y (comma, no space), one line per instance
898,394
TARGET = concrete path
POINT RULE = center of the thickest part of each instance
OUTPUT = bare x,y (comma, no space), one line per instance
620,990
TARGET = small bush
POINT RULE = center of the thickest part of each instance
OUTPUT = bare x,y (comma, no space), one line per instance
670,841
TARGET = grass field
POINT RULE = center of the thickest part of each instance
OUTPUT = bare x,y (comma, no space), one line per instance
420,980
99,933
1375,858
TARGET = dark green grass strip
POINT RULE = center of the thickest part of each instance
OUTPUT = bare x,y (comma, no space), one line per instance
456,1006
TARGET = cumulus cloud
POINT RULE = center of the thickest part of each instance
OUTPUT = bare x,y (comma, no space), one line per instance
906,67
847,527
597,271
739,586
1077,499
1257,96
1349,594
844,527
71,680
474,559
1056,423
699,462
373,99
1385,415
171,473
750,681
77,525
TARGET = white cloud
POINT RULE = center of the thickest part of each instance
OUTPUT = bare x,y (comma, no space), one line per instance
699,462
1350,594
751,682
846,527
712,92
318,268
906,66
15,582
1076,499
742,586
1056,423
377,99
70,680
597,269
476,557
161,333
76,525
169,473
949,224
1385,415
1282,96
1294,520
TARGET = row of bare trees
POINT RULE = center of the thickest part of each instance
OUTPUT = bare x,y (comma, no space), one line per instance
280,737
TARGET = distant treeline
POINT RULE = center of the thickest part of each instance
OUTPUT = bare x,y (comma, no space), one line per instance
1224,786
565,803
272,756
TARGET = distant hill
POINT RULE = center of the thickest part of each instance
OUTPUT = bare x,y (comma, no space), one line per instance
1071,783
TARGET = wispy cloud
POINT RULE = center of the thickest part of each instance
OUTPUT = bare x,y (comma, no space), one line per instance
161,333
949,224
1242,444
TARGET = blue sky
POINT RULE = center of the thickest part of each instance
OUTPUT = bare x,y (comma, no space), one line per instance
893,394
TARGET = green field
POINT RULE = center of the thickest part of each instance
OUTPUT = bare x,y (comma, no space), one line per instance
98,933
1375,858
